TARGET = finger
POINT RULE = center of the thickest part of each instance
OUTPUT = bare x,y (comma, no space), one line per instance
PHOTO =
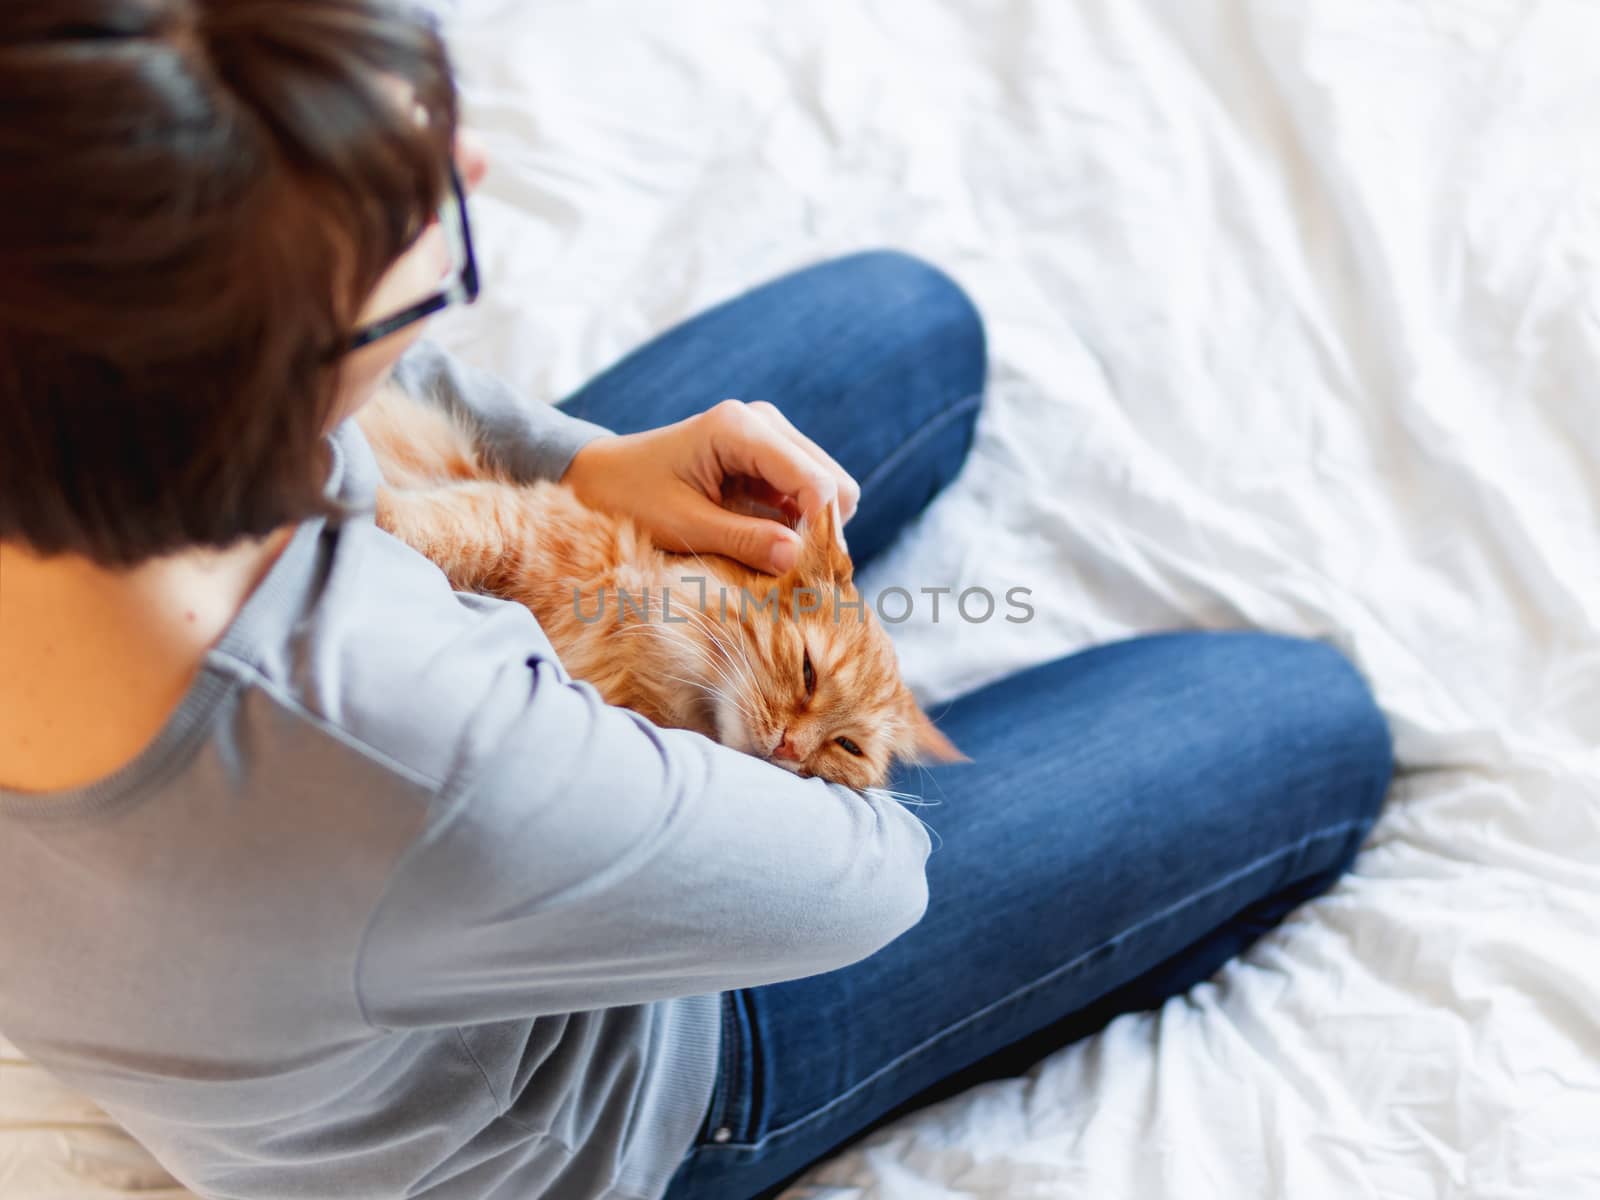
849,490
757,542
746,444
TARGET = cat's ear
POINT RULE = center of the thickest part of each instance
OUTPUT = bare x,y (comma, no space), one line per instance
822,550
929,744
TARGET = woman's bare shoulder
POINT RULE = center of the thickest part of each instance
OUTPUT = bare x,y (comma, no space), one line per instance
97,659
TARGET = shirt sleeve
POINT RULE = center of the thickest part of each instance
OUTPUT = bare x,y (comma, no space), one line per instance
586,859
525,439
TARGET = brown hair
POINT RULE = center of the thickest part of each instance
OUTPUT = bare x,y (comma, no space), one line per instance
199,194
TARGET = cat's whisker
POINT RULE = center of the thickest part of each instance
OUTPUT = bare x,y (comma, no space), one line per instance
710,575
933,779
694,683
709,628
741,667
704,658
691,615
712,690
735,691
937,840
720,693
908,798
740,672
750,718
734,674
733,698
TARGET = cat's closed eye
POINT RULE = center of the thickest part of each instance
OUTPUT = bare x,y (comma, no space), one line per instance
809,674
849,746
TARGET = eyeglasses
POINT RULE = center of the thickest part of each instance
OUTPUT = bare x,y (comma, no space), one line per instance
461,280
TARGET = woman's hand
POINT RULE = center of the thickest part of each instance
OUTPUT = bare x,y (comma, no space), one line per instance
674,481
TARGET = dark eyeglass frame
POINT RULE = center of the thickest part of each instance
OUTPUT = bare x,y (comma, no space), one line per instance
461,290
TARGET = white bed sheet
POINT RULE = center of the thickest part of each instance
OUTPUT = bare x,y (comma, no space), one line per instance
1295,320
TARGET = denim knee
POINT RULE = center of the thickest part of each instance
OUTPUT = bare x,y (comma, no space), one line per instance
921,309
1332,704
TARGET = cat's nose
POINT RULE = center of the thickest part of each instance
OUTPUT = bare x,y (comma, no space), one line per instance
785,749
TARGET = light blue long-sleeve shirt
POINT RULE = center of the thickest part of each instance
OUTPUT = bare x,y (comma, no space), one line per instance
393,907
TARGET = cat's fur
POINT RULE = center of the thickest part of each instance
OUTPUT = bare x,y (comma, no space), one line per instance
709,663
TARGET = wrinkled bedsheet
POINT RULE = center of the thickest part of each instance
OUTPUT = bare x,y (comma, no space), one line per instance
1295,321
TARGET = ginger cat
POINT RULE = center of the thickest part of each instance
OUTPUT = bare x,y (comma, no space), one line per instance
794,669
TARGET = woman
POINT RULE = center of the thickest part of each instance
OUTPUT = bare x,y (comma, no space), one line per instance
327,881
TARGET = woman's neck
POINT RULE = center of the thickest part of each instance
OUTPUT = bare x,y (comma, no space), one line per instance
93,660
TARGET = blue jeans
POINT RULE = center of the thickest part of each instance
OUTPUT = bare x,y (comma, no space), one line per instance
1134,815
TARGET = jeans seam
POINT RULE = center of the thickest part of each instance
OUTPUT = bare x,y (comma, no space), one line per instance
1339,830
956,409
722,1091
